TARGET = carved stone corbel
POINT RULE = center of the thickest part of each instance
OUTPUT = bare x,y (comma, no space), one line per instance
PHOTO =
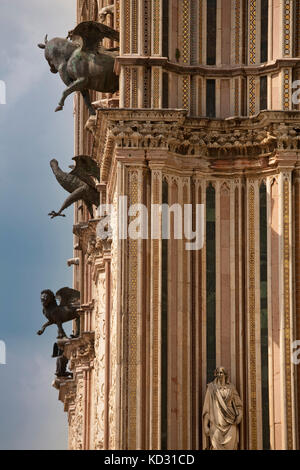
67,394
80,352
106,247
85,231
91,125
94,249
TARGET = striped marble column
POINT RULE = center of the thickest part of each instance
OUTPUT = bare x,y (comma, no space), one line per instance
280,304
155,320
135,338
253,314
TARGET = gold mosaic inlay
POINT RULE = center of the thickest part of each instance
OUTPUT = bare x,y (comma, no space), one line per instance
252,31
287,313
251,300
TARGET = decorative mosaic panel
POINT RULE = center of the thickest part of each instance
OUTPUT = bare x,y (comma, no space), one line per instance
156,26
117,15
126,14
194,84
237,30
146,87
156,86
185,52
134,27
156,338
186,91
264,314
251,95
193,33
200,87
297,272
287,27
286,89
132,321
147,12
287,312
210,291
134,94
185,336
252,31
127,86
200,22
185,31
236,96
251,315
297,26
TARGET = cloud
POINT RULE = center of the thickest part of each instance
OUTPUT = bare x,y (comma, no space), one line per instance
30,415
35,250
21,60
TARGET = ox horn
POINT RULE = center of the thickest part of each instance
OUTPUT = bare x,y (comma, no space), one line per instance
43,46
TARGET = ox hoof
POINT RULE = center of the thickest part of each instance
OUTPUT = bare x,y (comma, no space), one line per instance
40,332
59,108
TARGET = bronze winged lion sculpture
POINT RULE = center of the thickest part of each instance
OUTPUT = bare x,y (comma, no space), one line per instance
79,182
59,314
84,65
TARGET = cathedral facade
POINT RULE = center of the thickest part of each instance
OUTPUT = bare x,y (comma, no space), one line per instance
206,114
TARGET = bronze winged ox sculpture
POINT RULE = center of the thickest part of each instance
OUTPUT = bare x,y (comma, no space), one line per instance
84,65
79,183
59,314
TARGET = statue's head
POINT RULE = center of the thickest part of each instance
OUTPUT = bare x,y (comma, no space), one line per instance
57,51
47,297
221,373
48,52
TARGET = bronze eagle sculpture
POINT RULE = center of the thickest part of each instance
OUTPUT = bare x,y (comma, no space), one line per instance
79,183
59,314
84,65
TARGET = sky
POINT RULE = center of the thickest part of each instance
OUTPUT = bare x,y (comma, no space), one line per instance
34,248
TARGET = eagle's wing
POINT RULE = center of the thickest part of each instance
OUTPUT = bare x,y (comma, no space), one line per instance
86,169
68,297
92,33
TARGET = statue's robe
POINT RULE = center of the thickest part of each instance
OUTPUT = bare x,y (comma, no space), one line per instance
222,405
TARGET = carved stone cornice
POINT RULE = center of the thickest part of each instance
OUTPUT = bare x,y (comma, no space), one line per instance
238,144
211,71
80,352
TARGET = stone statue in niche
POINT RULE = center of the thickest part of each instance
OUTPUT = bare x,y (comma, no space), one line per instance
222,413
64,312
82,63
79,183
61,362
